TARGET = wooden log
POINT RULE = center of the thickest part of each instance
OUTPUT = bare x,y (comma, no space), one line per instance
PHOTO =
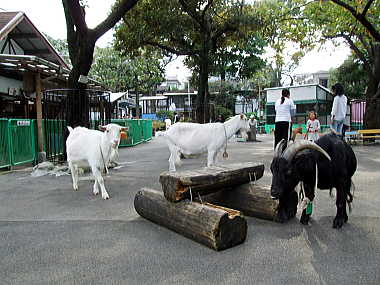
176,185
255,201
214,226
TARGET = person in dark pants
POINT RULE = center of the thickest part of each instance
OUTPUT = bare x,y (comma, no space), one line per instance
285,110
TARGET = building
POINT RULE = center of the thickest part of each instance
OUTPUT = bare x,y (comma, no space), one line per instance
321,77
306,98
171,83
29,64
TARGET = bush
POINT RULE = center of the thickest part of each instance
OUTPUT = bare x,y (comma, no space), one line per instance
220,110
162,115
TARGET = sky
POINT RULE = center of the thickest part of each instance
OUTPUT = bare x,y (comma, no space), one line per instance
48,17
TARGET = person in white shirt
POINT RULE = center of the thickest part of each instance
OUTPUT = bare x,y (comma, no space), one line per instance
252,125
312,127
285,110
339,108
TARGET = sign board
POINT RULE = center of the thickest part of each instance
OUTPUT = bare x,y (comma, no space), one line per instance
23,123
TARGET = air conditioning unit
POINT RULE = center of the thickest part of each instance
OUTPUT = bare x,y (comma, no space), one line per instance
14,91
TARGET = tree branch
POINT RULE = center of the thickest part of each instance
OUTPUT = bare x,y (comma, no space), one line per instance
209,3
191,13
77,15
357,51
171,49
117,13
361,18
71,33
365,10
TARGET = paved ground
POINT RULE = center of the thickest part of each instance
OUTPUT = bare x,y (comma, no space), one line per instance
50,234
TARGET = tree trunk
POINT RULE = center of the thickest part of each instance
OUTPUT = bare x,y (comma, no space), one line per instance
372,110
78,100
202,96
181,185
216,227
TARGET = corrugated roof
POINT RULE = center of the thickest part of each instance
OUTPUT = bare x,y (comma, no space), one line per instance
18,27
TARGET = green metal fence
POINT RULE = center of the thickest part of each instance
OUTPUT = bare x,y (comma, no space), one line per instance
18,138
138,131
22,141
5,153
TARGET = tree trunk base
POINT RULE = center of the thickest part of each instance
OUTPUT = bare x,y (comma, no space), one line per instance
214,226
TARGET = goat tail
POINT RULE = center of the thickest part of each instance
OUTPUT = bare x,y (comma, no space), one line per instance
70,129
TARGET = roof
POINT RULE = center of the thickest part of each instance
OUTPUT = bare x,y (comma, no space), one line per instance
117,95
145,98
298,86
180,93
21,63
18,27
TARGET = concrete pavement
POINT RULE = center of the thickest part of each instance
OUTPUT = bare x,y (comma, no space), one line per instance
50,234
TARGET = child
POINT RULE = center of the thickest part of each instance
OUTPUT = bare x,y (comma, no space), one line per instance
312,127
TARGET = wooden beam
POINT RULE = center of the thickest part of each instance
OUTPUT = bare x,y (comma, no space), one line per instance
36,51
22,35
177,185
39,111
214,226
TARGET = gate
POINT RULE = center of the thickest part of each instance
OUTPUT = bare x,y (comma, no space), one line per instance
56,105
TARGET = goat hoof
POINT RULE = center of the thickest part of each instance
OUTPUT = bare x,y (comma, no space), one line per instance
338,223
96,192
305,219
105,197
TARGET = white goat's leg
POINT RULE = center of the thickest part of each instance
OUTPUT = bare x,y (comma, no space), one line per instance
74,175
172,161
215,158
98,177
96,188
210,158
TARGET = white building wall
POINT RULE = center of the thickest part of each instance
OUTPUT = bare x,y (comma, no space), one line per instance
296,93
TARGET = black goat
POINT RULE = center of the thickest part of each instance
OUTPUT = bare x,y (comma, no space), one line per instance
297,163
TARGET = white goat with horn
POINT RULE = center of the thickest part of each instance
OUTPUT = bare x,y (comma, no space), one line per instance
192,138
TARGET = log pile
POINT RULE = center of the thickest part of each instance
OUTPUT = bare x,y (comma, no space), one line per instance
208,205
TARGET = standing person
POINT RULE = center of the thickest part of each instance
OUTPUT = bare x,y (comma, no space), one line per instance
312,127
175,119
347,121
339,108
285,109
219,119
252,125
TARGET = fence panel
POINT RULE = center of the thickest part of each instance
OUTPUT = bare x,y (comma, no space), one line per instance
22,140
148,130
5,154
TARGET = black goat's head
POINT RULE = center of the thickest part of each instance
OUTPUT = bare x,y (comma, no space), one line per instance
284,178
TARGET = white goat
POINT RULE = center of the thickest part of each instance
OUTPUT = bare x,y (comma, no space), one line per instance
192,138
92,148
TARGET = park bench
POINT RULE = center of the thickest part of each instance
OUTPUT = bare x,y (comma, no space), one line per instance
352,136
369,134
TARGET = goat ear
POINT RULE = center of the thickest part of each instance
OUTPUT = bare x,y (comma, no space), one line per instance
102,128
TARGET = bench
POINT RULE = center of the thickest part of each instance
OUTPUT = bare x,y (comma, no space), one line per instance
369,134
352,136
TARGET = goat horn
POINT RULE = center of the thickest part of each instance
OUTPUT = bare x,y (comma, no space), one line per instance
292,150
279,148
